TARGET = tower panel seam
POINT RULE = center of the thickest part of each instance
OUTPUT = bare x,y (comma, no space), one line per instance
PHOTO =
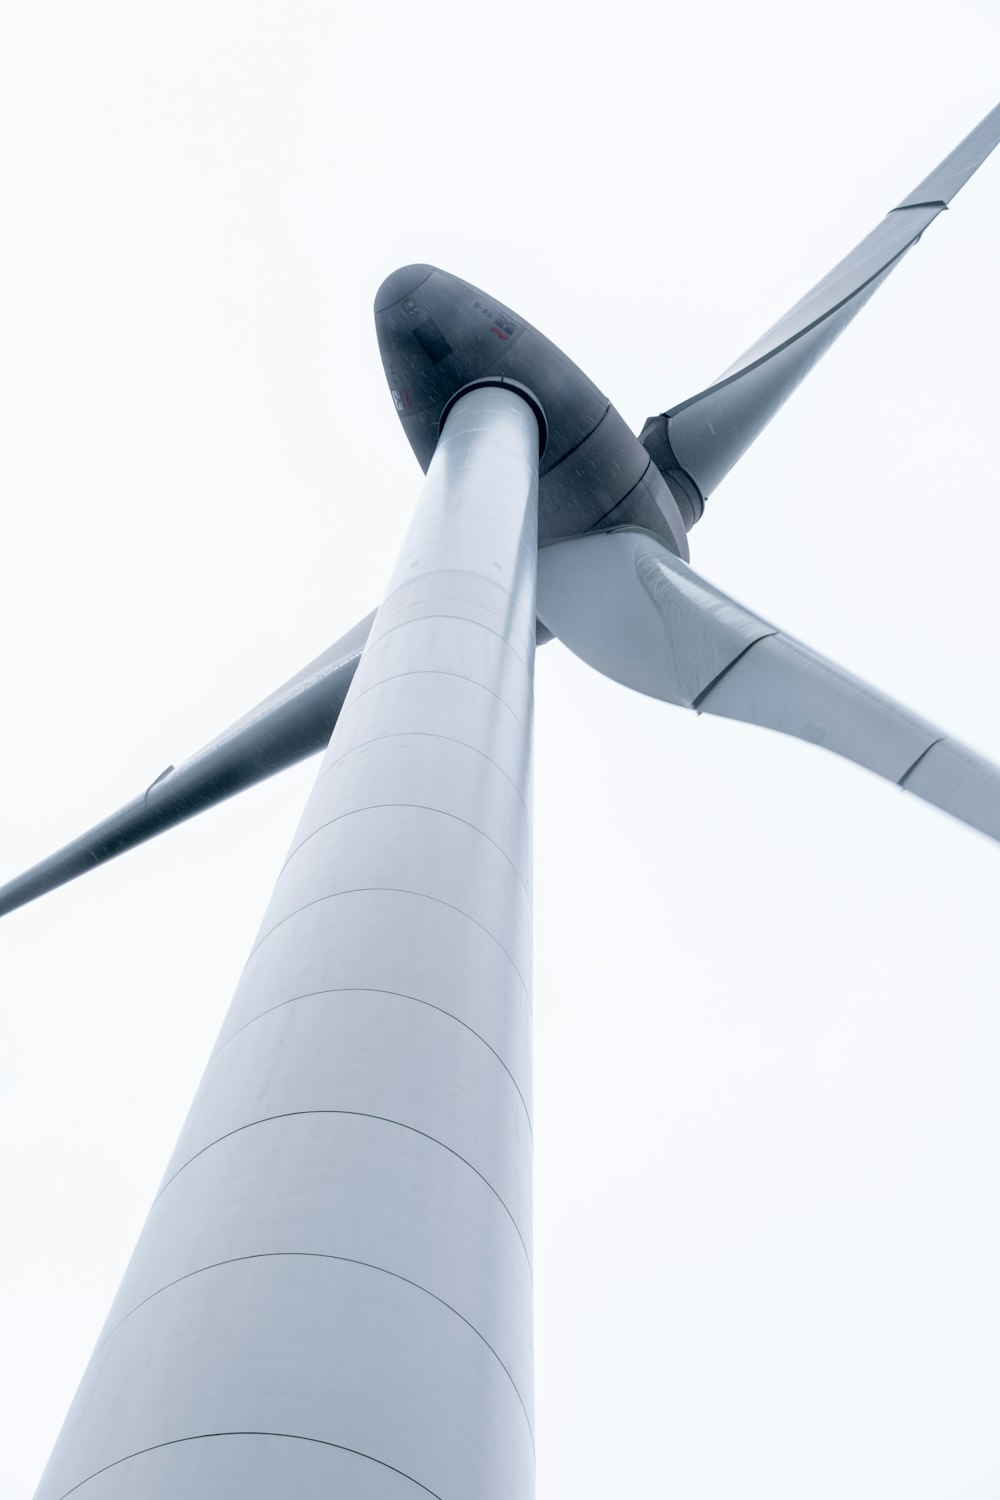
359,1114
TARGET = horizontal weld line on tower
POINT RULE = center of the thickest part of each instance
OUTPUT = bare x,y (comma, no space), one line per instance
425,734
462,619
480,578
519,623
395,890
439,515
355,812
363,989
429,672
355,1114
292,1437
347,1260
452,599
493,551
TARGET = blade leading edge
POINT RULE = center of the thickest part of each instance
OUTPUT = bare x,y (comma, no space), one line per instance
295,721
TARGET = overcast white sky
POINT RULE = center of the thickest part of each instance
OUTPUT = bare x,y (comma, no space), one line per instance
767,998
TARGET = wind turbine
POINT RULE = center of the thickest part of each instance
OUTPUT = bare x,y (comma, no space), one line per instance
428,1388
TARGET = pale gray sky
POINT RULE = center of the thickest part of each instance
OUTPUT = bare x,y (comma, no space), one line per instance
767,998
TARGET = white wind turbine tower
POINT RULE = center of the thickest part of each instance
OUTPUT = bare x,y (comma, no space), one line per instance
332,1293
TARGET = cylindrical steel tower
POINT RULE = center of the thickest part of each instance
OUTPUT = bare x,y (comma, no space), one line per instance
332,1293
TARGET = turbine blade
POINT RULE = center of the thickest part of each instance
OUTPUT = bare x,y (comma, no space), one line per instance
703,437
637,613
295,721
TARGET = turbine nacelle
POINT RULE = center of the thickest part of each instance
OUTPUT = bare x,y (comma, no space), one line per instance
437,335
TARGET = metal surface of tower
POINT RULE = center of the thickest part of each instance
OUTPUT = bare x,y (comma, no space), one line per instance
332,1292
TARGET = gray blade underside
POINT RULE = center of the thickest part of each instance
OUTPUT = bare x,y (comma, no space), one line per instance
708,433
295,721
637,613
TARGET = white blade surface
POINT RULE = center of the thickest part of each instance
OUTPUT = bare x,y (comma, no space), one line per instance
294,721
629,607
706,434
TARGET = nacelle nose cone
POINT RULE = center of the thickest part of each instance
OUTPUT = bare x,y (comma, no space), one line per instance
438,335
400,284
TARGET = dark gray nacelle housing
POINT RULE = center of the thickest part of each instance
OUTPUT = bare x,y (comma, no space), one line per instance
438,334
